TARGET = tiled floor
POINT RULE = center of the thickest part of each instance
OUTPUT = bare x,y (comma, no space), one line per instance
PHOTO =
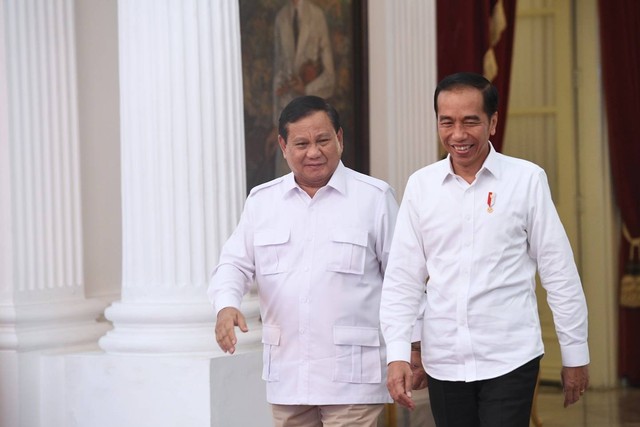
597,408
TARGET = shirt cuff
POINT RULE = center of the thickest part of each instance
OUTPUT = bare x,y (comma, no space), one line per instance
575,355
398,351
223,301
416,334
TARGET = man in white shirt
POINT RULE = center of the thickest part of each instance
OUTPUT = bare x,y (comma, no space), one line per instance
316,242
476,227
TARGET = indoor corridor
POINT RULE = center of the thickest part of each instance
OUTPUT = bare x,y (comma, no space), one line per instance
598,408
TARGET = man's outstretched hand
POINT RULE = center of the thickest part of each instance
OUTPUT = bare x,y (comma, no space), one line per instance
228,319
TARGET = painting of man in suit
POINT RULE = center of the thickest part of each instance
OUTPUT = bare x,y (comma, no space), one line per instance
292,48
303,58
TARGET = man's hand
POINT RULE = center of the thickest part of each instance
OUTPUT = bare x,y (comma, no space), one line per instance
228,318
419,374
574,383
296,85
399,383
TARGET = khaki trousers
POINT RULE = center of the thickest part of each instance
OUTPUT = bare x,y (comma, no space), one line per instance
326,415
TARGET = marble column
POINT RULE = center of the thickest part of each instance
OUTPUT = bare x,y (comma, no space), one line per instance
403,77
42,300
183,173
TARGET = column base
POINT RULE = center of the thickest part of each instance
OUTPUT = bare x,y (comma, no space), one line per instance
173,329
43,326
27,332
103,390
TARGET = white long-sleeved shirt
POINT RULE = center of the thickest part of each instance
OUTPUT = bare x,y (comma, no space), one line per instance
479,245
318,263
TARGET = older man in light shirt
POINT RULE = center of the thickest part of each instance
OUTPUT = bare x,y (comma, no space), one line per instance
316,241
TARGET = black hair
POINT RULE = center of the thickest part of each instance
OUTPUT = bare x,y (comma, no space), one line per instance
465,79
304,106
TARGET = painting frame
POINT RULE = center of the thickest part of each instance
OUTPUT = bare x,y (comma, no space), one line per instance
346,21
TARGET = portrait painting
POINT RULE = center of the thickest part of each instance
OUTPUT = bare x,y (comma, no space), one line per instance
296,47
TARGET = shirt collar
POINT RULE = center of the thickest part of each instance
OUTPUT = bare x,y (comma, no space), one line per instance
289,183
338,181
491,165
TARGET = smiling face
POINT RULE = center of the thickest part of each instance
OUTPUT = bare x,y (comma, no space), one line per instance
312,150
464,129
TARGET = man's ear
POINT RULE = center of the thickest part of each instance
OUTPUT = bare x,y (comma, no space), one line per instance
493,123
283,145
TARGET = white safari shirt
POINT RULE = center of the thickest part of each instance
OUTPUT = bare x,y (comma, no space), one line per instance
479,246
318,263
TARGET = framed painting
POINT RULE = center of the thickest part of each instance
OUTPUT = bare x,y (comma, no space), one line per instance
290,47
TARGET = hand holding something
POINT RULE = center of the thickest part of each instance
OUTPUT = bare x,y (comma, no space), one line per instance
399,383
228,318
575,381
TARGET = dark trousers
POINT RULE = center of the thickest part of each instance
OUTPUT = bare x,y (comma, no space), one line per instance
504,401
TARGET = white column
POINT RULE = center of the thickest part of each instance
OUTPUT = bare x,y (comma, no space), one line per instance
183,172
42,302
403,77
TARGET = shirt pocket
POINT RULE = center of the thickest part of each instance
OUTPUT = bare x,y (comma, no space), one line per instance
269,249
270,353
357,355
348,250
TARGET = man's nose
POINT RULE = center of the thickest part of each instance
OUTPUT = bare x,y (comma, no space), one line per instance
314,150
459,132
